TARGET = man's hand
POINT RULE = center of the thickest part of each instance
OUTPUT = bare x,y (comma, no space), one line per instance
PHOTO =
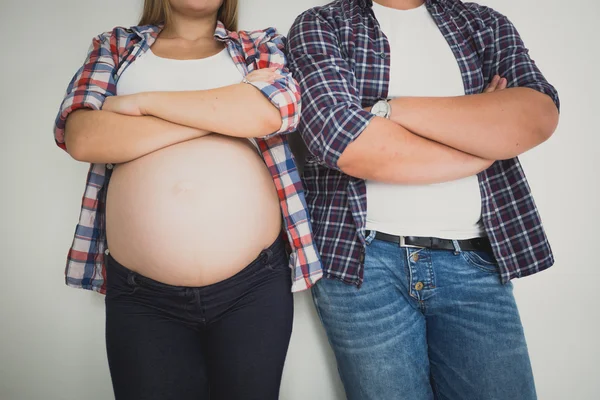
497,83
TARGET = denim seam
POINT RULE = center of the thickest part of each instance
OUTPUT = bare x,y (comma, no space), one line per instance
481,265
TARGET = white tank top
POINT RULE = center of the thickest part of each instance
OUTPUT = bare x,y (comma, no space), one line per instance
422,64
150,73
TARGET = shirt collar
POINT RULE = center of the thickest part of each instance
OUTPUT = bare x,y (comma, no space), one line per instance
152,31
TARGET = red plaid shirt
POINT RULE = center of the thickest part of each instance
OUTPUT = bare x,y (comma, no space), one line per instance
110,54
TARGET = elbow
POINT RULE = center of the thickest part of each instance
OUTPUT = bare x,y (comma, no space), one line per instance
548,121
75,142
352,166
282,116
542,126
542,123
75,148
536,128
346,164
273,123
268,125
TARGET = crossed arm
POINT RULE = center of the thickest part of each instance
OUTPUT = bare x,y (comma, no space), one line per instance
427,140
132,126
497,125
97,126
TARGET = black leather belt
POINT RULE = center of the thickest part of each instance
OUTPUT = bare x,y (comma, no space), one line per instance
477,244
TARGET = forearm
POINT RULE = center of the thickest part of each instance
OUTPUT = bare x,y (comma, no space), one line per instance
237,110
106,137
387,152
498,125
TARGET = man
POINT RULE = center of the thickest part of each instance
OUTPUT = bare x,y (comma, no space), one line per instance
414,113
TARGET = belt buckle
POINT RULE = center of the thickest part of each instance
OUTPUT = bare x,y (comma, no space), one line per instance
410,246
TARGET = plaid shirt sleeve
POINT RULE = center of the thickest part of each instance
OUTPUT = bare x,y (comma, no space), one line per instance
90,86
511,58
332,116
265,49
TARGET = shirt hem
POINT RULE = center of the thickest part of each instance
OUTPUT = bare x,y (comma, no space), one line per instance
99,290
306,283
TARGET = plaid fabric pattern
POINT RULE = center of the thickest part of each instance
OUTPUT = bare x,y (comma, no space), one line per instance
109,55
340,57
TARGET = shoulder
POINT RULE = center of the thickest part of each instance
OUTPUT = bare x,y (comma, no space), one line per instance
262,47
339,9
117,33
337,18
486,15
260,42
259,37
117,40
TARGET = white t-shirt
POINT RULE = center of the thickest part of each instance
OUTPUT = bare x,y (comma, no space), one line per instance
422,64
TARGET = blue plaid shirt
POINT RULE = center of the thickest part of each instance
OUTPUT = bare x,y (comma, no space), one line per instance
340,58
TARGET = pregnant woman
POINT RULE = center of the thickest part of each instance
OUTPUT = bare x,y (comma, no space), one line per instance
183,121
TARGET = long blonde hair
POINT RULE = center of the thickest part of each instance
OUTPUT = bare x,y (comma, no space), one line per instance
157,12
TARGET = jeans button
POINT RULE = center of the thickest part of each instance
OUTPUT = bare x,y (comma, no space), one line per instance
415,257
419,286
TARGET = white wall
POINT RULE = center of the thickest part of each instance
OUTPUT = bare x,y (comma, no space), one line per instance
52,339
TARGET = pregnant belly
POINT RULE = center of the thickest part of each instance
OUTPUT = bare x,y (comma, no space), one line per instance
194,213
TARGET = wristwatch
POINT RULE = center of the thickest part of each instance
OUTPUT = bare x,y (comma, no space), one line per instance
382,109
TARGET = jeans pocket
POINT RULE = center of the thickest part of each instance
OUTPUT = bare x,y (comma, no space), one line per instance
154,288
118,285
276,259
482,260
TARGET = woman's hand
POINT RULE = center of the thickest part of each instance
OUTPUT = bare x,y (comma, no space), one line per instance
125,105
133,104
269,75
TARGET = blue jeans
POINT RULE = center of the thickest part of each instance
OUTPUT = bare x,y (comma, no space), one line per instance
426,324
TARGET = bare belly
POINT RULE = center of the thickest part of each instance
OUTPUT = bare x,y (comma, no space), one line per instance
194,213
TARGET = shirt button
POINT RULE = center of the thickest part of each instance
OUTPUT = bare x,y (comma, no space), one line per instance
415,257
419,286
109,166
382,55
106,252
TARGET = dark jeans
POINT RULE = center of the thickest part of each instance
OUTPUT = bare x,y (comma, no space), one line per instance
223,341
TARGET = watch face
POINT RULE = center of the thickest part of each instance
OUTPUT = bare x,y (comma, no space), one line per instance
380,109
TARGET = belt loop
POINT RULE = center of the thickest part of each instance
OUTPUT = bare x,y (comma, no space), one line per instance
456,247
267,254
369,237
131,278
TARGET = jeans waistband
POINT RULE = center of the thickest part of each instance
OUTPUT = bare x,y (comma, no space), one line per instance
273,252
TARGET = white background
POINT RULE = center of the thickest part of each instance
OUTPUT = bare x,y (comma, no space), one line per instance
52,337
